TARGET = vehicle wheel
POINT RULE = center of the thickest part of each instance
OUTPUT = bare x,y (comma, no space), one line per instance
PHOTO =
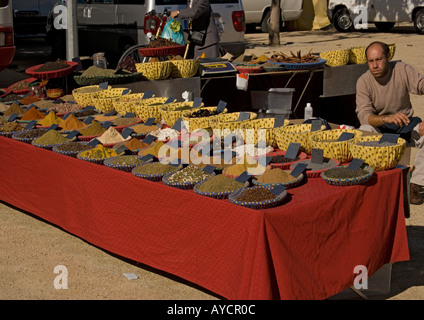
342,21
384,26
266,21
133,52
419,21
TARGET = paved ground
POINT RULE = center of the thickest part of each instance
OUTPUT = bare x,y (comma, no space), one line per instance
30,248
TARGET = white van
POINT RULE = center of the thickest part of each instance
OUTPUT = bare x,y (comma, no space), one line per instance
112,26
7,47
258,12
346,15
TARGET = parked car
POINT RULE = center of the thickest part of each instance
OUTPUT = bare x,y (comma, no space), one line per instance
113,26
30,16
258,12
384,14
7,47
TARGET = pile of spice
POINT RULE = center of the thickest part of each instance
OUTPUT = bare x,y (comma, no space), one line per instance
256,195
52,66
29,99
14,108
217,161
282,159
203,113
51,137
153,149
10,97
189,174
85,113
3,107
11,127
99,152
252,150
133,144
31,134
111,136
376,144
326,164
33,114
94,129
75,146
94,71
124,121
44,104
49,119
220,183
154,168
165,134
345,173
126,160
102,117
247,163
21,85
71,123
65,107
89,89
141,129
3,120
275,175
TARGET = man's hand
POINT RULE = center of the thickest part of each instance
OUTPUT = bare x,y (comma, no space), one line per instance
399,119
174,14
421,129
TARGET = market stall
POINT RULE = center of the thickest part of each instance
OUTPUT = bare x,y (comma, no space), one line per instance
306,248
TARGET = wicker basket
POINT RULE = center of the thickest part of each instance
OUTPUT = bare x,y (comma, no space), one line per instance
224,124
184,68
299,133
378,158
155,70
85,98
215,195
193,124
170,116
125,104
103,101
150,108
257,204
151,177
348,181
182,185
123,167
336,58
357,55
334,149
252,131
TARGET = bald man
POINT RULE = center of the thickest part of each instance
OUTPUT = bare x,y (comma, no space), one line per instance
383,105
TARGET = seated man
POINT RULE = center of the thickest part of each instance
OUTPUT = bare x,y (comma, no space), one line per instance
383,105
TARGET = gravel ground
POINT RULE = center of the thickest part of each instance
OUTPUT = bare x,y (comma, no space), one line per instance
31,248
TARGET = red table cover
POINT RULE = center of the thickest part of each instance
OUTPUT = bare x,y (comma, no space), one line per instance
305,249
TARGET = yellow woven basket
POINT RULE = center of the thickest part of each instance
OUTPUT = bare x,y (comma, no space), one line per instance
335,58
184,68
326,140
193,124
258,129
103,101
125,104
378,158
357,55
298,133
170,116
224,124
154,70
149,108
83,96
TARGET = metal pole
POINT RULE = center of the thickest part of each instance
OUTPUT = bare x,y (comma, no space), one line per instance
72,30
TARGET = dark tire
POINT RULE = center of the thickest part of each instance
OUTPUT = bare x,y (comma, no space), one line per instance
265,24
419,21
133,52
342,20
384,26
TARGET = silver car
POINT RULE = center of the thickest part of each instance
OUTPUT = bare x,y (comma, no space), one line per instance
113,26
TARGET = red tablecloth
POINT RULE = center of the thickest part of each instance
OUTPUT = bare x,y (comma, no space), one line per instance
305,249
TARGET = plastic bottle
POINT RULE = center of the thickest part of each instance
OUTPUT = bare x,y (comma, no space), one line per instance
308,111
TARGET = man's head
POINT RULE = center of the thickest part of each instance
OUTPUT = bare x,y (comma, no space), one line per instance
378,54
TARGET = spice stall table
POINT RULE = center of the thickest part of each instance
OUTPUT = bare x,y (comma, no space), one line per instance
305,249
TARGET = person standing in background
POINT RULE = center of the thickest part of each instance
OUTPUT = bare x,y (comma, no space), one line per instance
203,23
